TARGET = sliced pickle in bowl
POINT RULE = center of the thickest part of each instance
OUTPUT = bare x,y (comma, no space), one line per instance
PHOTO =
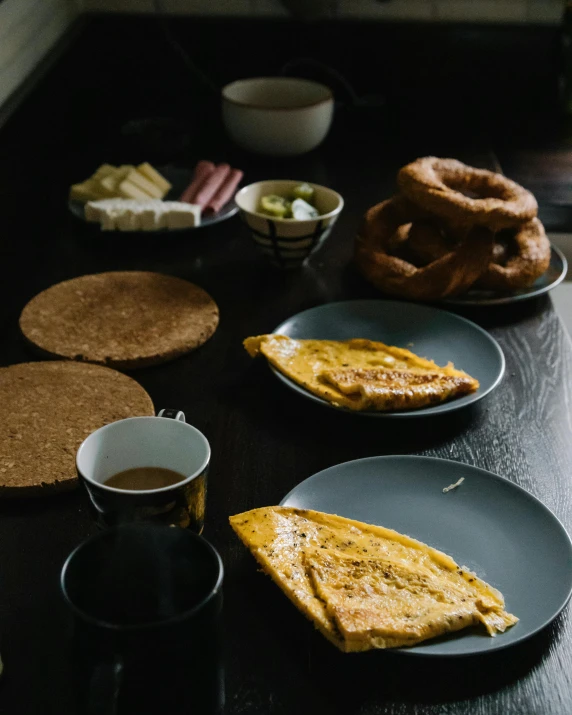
276,206
303,191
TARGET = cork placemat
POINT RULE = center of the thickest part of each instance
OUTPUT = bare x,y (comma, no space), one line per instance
47,409
123,319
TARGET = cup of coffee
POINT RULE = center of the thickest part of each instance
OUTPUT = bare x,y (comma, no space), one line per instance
146,469
146,602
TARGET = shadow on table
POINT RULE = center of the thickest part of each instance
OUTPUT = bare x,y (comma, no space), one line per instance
410,678
322,679
274,409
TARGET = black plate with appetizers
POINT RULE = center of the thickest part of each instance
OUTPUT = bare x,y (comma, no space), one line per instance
180,178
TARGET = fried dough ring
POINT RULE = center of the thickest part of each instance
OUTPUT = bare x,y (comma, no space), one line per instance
530,262
451,274
398,242
426,241
437,185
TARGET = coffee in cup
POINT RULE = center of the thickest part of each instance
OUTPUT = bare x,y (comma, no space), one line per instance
147,469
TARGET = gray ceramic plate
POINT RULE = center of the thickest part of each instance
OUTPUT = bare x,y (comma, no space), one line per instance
495,528
554,275
180,178
429,332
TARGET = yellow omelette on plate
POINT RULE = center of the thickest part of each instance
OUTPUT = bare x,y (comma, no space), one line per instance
362,374
364,586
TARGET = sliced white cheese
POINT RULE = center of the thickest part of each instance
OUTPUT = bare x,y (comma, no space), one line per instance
182,215
114,178
96,210
151,215
92,211
153,175
86,191
129,190
103,171
108,221
143,183
128,220
125,181
91,189
148,215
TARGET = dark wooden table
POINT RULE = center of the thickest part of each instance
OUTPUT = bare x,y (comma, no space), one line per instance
264,438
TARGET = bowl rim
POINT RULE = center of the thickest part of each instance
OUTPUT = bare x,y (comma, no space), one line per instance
251,105
278,219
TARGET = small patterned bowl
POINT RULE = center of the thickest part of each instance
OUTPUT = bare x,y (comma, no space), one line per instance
288,242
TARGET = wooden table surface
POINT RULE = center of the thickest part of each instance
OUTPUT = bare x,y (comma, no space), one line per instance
264,438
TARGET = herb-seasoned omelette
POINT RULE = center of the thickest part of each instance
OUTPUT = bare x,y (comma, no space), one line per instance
362,374
364,586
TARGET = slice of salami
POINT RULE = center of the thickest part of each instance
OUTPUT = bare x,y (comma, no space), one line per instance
225,192
212,184
203,170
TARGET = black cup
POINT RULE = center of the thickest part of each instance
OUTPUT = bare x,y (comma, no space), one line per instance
146,637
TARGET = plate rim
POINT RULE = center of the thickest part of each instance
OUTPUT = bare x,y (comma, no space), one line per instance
411,652
443,408
510,299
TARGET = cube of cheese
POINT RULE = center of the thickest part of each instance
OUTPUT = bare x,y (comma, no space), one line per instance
182,215
108,221
151,215
95,210
128,220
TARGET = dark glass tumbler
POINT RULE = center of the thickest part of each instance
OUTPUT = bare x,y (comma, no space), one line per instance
146,636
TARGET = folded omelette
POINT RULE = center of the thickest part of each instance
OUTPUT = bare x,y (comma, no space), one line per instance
362,374
364,586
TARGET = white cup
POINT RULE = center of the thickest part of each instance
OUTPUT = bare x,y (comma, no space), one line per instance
277,116
147,442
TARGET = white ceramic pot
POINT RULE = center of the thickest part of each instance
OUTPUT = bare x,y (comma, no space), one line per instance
277,116
288,242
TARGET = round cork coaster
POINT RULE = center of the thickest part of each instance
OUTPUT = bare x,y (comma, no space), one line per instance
124,319
47,409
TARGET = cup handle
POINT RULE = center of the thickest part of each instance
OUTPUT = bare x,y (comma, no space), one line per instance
172,414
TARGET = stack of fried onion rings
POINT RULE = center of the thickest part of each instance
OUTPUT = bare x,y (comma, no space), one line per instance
437,239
